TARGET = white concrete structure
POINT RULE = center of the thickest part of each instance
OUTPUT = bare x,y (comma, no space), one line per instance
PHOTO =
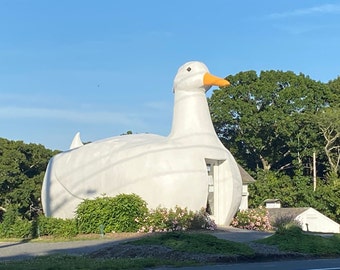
310,219
164,171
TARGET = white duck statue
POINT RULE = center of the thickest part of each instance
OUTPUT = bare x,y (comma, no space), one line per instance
188,168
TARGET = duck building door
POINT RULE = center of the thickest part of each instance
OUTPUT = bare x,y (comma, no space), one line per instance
211,167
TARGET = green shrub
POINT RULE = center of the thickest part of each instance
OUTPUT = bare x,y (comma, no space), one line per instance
91,214
252,219
117,214
125,211
14,226
290,229
284,223
56,227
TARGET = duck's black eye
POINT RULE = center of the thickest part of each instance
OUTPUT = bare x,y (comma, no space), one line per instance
189,69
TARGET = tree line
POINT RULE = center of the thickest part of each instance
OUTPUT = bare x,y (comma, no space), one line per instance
285,130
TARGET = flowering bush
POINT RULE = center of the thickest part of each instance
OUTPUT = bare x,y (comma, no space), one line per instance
178,219
164,220
202,220
252,219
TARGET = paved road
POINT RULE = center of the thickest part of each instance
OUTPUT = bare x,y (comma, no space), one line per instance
25,250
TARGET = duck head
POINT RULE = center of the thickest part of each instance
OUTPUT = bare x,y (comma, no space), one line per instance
193,76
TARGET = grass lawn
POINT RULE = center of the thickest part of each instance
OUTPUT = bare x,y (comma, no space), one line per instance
189,242
297,241
57,262
197,243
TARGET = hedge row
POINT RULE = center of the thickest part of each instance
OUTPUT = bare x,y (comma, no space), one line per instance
123,213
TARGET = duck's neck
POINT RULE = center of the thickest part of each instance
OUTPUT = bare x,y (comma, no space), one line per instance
191,117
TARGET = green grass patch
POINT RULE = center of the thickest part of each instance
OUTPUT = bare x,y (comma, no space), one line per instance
58,262
188,242
195,243
298,241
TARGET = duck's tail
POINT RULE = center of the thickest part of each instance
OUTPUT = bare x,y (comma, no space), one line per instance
76,142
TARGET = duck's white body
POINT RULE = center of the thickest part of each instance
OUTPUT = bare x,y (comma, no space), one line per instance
164,171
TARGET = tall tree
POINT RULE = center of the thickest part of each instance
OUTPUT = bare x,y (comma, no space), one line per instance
334,86
328,121
266,121
22,168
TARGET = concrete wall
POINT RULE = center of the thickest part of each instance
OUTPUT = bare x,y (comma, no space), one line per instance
313,221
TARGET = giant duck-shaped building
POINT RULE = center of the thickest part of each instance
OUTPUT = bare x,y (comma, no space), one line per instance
189,168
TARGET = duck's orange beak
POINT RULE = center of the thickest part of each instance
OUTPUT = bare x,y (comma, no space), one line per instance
210,79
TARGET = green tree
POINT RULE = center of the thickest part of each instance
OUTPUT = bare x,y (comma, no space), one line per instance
270,185
22,168
266,120
326,199
328,121
334,86
294,191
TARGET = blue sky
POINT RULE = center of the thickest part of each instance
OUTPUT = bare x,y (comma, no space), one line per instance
105,67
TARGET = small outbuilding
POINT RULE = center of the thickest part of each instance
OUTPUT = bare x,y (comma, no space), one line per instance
272,203
310,219
246,180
